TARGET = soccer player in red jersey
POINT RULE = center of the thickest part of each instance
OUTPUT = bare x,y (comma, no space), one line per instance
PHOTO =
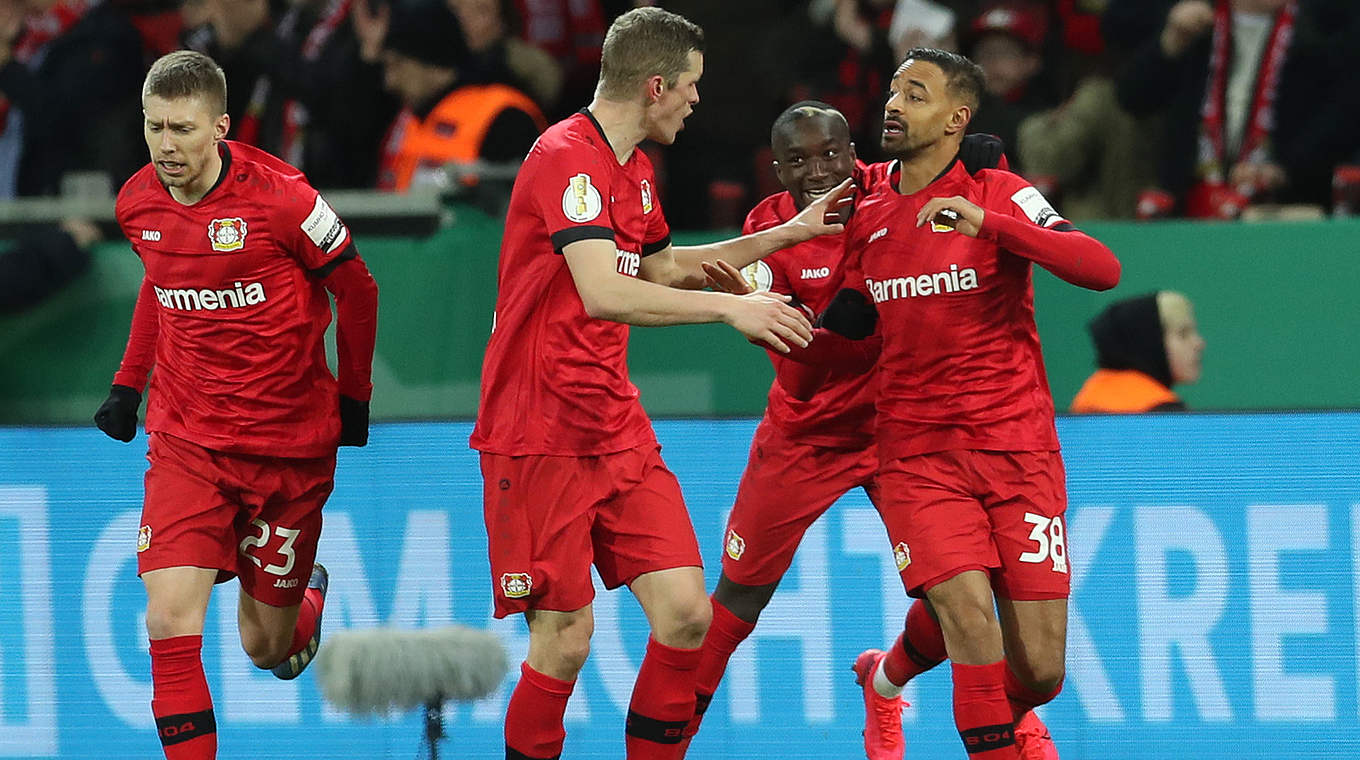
971,480
243,414
571,467
815,442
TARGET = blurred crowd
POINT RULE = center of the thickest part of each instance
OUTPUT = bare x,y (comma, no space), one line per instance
1114,108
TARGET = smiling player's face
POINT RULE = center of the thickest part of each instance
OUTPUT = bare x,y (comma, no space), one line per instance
812,156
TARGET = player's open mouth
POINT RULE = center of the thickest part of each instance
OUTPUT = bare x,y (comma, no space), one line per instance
171,167
815,194
892,129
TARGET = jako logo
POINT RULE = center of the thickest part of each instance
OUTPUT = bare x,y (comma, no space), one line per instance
152,235
924,285
815,274
188,299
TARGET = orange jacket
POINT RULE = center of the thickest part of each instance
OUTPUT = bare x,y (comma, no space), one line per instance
453,132
1123,391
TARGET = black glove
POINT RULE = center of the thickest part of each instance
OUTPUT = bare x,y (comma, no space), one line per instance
117,416
980,152
850,314
353,422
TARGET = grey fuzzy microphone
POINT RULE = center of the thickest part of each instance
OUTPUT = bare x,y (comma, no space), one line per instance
385,669
381,670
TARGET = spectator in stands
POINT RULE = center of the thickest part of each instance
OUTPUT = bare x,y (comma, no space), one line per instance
844,60
1247,89
1089,154
240,36
445,120
1007,40
497,55
330,76
572,32
1144,346
43,260
69,74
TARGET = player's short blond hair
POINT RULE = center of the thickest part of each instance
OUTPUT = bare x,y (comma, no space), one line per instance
643,43
187,74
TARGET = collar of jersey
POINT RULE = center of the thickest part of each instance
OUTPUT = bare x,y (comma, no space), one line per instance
605,138
895,174
221,175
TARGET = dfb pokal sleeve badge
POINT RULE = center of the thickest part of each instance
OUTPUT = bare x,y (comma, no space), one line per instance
227,234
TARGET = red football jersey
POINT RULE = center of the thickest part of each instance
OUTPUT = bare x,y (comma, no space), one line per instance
841,414
961,366
554,380
240,360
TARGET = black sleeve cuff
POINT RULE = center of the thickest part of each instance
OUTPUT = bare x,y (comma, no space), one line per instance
657,247
562,238
345,254
1064,227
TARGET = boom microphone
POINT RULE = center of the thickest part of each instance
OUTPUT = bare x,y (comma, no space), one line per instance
387,669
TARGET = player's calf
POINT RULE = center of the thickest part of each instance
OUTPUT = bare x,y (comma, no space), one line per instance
306,637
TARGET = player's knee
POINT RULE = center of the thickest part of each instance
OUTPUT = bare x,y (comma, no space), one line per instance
687,624
566,654
965,617
163,622
746,602
1043,675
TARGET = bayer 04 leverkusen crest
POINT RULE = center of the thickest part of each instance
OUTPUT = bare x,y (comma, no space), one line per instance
227,234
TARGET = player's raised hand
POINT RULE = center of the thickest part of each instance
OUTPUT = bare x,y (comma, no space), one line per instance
826,215
727,278
768,318
954,213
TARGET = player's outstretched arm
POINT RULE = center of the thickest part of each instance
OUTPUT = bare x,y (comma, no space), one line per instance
681,266
117,416
606,294
1055,245
356,333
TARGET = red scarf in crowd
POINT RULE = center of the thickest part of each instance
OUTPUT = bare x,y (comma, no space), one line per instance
1211,196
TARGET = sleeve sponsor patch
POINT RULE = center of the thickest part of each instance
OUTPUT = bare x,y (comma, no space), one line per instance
1037,207
324,228
581,201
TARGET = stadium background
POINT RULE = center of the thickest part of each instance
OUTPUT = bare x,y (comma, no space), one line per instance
1216,554
1216,608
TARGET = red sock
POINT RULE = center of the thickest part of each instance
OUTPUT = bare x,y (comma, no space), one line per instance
1022,698
663,702
918,648
982,713
724,635
308,613
533,720
180,700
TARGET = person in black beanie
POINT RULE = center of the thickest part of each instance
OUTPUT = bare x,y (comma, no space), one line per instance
1144,346
444,119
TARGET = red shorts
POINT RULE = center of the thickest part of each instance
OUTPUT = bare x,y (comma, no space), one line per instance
549,518
1001,512
786,487
257,517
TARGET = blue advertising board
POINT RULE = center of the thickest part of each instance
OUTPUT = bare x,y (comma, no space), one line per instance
1214,615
